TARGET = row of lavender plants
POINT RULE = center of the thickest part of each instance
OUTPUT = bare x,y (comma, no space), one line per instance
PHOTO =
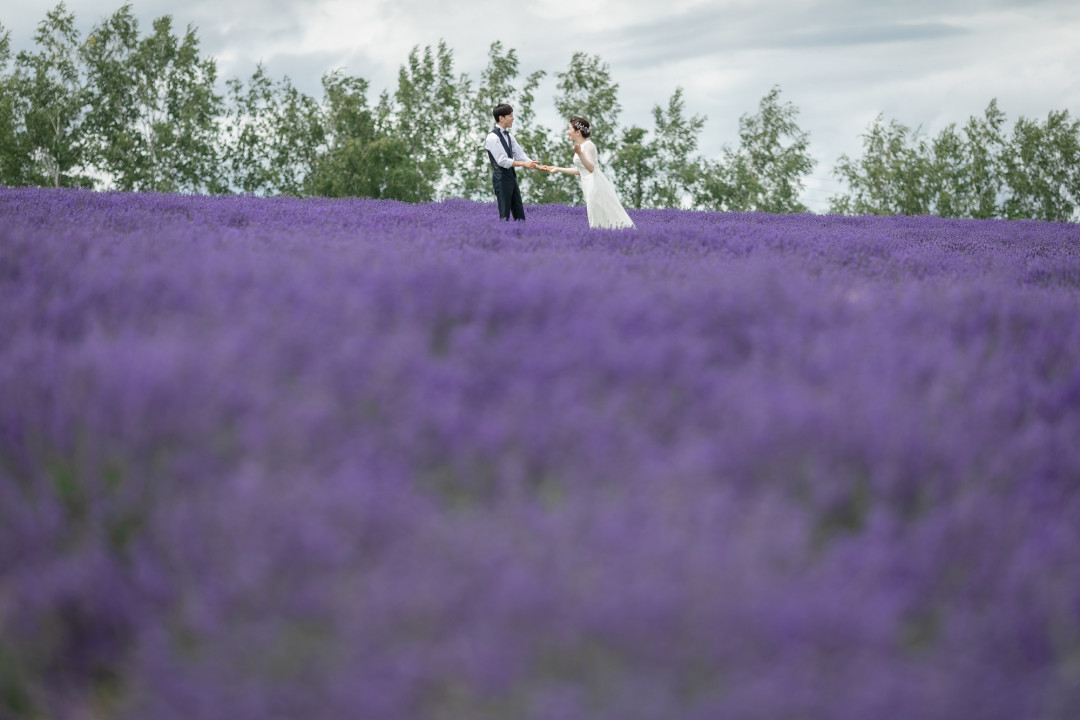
280,458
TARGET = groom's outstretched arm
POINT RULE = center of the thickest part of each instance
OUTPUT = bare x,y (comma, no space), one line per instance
523,160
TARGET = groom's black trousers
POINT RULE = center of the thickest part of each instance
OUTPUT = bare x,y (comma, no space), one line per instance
504,180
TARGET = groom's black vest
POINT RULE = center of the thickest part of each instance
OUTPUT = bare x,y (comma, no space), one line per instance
506,144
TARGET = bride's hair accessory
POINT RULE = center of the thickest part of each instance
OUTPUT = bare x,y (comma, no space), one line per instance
581,125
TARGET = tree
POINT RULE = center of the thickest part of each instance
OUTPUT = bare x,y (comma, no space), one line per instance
431,107
891,178
984,146
586,90
274,134
675,139
955,174
383,168
361,159
541,144
964,168
249,129
1042,169
13,158
765,173
51,90
947,173
346,115
634,163
300,137
498,84
153,110
975,173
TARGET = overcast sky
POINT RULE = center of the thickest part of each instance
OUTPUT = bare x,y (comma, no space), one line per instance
841,62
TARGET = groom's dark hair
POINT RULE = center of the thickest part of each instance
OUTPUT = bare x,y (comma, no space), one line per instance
501,110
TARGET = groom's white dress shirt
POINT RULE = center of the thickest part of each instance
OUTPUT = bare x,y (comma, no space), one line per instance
495,147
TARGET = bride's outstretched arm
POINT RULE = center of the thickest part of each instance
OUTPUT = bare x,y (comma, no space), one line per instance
566,170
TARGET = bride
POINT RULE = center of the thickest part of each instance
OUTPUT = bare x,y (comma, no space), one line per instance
601,203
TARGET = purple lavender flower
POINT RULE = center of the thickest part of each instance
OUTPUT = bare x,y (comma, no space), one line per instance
277,458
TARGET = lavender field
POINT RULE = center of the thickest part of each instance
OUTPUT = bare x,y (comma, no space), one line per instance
278,458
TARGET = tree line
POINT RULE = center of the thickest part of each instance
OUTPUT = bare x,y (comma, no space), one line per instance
139,111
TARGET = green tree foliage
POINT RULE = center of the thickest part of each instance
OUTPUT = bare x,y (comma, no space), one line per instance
51,89
660,171
675,138
153,111
548,147
765,173
362,160
345,109
902,172
12,156
977,172
984,146
1042,169
384,168
587,90
139,112
497,85
965,167
893,175
634,163
274,134
431,110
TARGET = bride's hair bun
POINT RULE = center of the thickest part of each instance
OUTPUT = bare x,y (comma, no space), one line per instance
581,125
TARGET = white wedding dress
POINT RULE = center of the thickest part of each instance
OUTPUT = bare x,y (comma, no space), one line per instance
601,202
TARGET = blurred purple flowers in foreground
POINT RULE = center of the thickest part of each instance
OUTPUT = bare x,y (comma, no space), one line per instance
359,459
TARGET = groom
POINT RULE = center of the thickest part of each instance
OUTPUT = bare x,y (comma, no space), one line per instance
505,154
